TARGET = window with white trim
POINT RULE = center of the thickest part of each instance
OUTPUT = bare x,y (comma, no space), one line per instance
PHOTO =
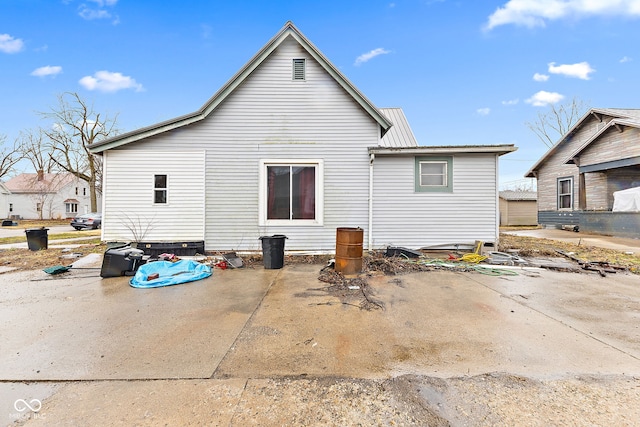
71,208
565,193
160,189
433,174
291,192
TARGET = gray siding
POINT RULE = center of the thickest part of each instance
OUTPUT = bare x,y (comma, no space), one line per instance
403,217
130,210
612,145
554,166
269,116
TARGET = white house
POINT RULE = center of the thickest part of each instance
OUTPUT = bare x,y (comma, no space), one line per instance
289,146
45,196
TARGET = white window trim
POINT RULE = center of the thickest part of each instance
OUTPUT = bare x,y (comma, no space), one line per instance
570,193
153,189
444,175
262,191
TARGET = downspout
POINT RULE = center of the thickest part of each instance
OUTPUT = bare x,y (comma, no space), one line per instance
497,181
370,242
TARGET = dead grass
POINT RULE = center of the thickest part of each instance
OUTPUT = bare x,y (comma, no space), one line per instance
24,259
536,247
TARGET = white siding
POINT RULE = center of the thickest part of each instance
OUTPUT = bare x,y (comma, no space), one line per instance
404,217
128,203
268,116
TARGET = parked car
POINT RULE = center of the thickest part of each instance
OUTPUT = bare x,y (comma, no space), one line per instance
90,220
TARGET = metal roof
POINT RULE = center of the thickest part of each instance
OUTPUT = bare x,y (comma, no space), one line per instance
400,134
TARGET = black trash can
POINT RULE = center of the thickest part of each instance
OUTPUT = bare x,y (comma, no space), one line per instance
273,251
37,238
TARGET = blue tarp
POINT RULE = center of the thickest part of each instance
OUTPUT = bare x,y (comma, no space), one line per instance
171,273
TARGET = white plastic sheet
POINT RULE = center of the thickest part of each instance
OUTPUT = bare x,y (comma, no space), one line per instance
626,200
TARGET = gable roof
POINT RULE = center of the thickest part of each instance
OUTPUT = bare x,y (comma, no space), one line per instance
614,123
29,182
289,30
622,113
400,134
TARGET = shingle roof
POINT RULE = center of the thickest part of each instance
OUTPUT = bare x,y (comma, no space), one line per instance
518,195
29,183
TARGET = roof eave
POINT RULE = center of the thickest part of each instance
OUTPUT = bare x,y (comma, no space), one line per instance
583,147
444,149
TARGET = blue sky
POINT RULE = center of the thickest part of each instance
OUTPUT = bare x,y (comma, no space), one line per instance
465,72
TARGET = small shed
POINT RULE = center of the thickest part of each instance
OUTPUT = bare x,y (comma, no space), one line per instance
518,208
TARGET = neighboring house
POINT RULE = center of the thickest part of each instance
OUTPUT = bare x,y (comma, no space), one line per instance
46,196
289,146
577,177
5,203
518,208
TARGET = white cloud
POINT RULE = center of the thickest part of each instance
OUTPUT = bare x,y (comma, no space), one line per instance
580,70
483,111
511,102
544,98
103,3
99,11
106,81
625,59
47,70
91,14
535,13
370,55
540,77
10,44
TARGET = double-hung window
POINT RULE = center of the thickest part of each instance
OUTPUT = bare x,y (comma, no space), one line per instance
291,192
565,193
160,189
433,174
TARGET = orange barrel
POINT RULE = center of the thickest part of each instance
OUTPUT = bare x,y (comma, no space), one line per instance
349,250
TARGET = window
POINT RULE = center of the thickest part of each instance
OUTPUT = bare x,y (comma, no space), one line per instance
84,191
76,191
160,189
299,69
71,207
565,193
10,207
291,192
433,174
39,207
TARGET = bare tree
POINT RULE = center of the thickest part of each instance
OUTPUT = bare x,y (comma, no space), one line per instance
35,148
76,126
9,156
551,125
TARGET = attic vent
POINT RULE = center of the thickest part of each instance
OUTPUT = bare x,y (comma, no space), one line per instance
298,69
